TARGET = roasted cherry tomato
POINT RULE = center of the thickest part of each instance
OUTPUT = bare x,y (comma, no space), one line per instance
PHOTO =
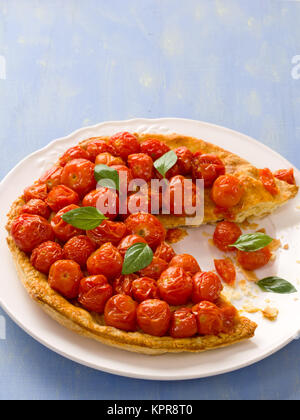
268,181
206,286
229,315
253,260
63,231
79,248
30,230
52,177
227,191
105,200
207,167
46,254
128,241
106,260
286,175
154,269
107,231
123,284
120,312
36,191
36,206
78,174
153,317
125,175
146,200
226,233
184,161
95,147
124,144
182,195
209,318
141,166
60,197
64,277
183,323
147,226
108,159
175,286
94,292
226,270
144,288
165,252
154,148
75,152
187,262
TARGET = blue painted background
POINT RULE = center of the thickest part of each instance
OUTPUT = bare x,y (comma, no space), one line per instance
69,63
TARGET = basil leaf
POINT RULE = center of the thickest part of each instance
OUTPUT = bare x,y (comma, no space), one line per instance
107,177
166,162
252,242
137,257
276,285
85,218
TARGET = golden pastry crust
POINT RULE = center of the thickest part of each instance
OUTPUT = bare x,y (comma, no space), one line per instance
92,325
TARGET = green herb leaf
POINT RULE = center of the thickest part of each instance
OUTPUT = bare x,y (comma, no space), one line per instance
252,242
137,257
166,162
276,285
85,218
107,177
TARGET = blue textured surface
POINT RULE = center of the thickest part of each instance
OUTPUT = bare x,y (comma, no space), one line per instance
65,64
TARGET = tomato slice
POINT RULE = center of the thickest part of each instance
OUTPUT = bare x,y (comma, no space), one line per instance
268,181
226,270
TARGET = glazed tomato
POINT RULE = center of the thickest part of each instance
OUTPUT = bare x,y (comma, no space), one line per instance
141,166
174,171
95,147
175,286
183,323
124,144
286,175
36,206
227,191
108,231
268,181
94,292
146,200
30,230
120,312
60,197
144,288
46,254
63,231
52,177
207,167
206,286
184,160
147,226
253,260
78,174
128,241
183,196
165,252
226,270
226,233
154,269
154,148
36,191
187,262
209,318
105,200
64,277
229,315
108,159
78,249
153,317
106,260
75,152
125,175
123,284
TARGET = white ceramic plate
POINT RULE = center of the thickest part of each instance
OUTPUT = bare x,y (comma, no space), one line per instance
270,336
